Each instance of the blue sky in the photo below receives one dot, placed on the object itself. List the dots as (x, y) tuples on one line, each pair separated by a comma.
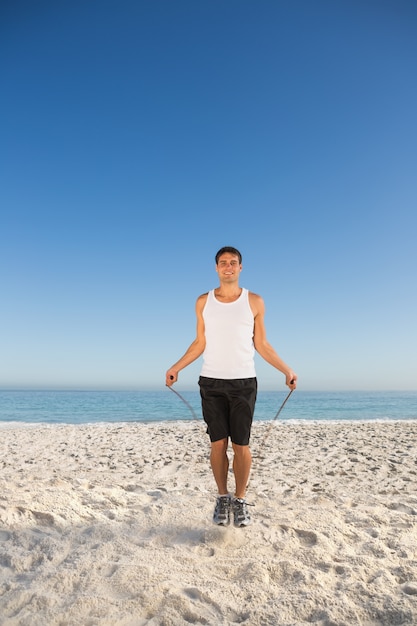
[(138, 137)]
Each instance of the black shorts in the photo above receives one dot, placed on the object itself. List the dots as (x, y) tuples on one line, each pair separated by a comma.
[(228, 407)]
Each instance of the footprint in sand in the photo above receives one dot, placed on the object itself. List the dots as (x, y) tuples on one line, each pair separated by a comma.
[(306, 537), (204, 551), (402, 508), (410, 589), (4, 535)]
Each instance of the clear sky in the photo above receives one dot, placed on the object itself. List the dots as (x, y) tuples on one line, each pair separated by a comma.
[(138, 137)]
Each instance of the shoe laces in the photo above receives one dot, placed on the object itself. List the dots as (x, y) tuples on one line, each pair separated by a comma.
[(240, 505)]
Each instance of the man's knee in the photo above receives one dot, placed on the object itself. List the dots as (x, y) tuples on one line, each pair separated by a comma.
[(220, 445), (240, 450)]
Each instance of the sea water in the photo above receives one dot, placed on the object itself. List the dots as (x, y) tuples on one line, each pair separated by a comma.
[(83, 407)]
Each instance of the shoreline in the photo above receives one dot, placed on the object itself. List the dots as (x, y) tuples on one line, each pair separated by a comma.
[(282, 421), (110, 524)]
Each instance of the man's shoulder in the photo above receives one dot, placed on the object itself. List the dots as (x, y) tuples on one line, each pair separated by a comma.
[(201, 300), (255, 296), (256, 303)]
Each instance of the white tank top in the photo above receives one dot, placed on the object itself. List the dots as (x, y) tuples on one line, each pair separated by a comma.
[(229, 351)]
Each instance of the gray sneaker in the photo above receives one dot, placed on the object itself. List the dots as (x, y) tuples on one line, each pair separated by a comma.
[(240, 512), (221, 515)]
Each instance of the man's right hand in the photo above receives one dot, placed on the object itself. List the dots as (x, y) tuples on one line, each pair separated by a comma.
[(171, 377)]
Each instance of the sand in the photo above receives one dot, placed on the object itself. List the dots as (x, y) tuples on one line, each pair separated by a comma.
[(110, 524)]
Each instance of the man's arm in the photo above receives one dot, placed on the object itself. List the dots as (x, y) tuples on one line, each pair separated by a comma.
[(263, 347), (195, 350)]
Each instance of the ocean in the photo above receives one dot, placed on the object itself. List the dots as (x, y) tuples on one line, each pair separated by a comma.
[(86, 407)]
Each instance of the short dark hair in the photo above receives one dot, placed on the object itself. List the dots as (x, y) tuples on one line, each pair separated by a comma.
[(230, 250)]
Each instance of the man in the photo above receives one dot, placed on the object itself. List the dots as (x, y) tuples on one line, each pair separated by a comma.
[(230, 327)]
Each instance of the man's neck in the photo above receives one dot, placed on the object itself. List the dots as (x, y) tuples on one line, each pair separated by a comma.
[(228, 293)]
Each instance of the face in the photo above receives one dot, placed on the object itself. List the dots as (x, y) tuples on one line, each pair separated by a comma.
[(228, 267)]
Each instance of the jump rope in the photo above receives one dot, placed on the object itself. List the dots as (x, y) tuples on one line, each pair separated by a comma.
[(185, 402)]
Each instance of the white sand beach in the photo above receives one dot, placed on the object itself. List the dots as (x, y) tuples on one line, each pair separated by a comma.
[(110, 524)]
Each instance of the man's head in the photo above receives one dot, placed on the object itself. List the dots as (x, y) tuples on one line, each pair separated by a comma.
[(228, 250), (228, 265)]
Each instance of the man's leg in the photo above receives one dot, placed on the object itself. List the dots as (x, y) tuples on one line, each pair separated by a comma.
[(220, 464), (242, 463)]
